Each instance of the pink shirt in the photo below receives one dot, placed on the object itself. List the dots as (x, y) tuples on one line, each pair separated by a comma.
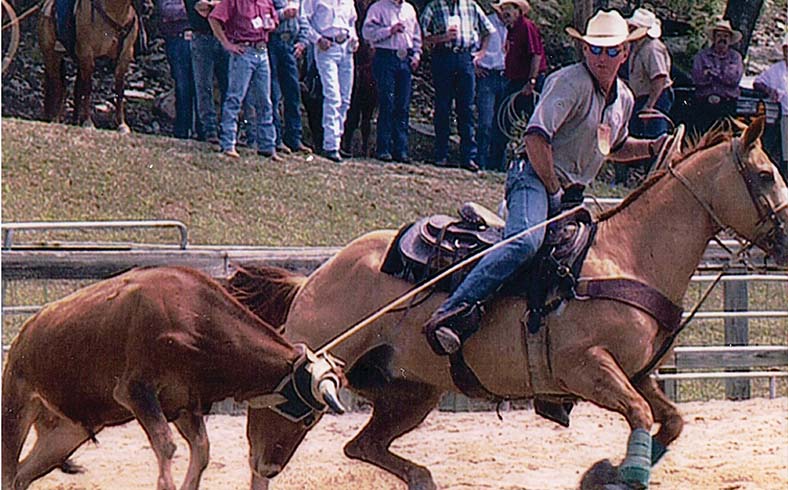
[(246, 20), (385, 13), (523, 43)]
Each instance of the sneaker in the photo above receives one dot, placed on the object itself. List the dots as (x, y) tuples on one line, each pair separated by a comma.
[(402, 159), (470, 166), (334, 156), (300, 147), (272, 155), (281, 148), (384, 157), (230, 152), (448, 340)]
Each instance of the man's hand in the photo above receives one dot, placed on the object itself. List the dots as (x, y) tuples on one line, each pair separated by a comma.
[(477, 57), (298, 49), (233, 48), (414, 64), (480, 72), (452, 34), (354, 45), (324, 43), (397, 28), (528, 89), (290, 12), (204, 7), (554, 203)]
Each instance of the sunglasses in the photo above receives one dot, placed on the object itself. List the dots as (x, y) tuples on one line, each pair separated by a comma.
[(612, 52)]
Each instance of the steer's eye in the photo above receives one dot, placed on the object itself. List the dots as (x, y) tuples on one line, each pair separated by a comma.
[(766, 177)]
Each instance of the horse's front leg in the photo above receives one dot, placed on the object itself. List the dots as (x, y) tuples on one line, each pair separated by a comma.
[(83, 89), (665, 413), (595, 376), (121, 67)]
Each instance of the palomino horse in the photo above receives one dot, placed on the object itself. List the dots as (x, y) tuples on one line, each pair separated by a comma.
[(657, 236), (104, 29)]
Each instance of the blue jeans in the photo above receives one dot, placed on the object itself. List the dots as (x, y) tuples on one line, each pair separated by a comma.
[(248, 72), (454, 80), (209, 62), (393, 77), (179, 55), (64, 17), (646, 128), (526, 200), (284, 82), (335, 66), (489, 97)]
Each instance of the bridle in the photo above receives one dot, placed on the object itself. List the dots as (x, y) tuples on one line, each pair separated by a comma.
[(768, 228)]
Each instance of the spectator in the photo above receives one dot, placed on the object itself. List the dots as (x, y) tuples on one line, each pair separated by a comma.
[(490, 86), (209, 64), (580, 120), (526, 63), (392, 28), (716, 73), (285, 45), (649, 79), (242, 26), (774, 83), (332, 29), (174, 27), (453, 28)]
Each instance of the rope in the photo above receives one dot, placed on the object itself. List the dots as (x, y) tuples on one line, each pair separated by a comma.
[(14, 25)]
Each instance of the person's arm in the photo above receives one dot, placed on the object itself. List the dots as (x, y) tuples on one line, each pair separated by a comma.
[(374, 29), (218, 31), (431, 39), (700, 76), (634, 150), (655, 88), (477, 56), (732, 73), (540, 155), (761, 85), (415, 37), (307, 12)]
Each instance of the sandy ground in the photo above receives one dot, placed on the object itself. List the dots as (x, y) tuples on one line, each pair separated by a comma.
[(725, 446)]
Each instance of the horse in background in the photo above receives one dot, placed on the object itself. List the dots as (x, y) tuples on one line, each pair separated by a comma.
[(103, 29)]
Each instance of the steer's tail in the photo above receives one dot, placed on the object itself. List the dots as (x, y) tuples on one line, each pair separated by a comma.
[(267, 291)]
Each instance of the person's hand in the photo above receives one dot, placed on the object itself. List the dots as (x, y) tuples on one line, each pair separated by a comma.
[(414, 64), (452, 34), (554, 203), (353, 45), (775, 95), (324, 43), (204, 7), (298, 49), (528, 89), (233, 48), (480, 72), (477, 57), (290, 12), (397, 28)]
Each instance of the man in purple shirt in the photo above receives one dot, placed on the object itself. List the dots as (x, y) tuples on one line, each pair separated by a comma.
[(392, 28), (716, 73), (242, 26)]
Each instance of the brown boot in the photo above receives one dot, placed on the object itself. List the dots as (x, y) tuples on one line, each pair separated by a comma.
[(447, 330)]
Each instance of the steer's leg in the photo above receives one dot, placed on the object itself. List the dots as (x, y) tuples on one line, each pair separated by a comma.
[(595, 376), (141, 400), (665, 413), (192, 427), (399, 407), (272, 441)]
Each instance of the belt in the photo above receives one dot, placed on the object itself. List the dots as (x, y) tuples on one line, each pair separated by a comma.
[(401, 53), (284, 36), (338, 39), (253, 44), (495, 71), (453, 49)]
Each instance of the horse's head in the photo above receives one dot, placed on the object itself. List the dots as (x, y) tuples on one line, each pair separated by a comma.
[(752, 197)]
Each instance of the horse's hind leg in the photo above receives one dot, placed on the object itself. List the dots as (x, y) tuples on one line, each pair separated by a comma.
[(19, 412), (192, 427), (83, 89), (57, 438), (399, 407), (665, 413)]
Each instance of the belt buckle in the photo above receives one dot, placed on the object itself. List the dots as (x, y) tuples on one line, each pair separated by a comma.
[(714, 99), (187, 35), (402, 53), (341, 37), (285, 36)]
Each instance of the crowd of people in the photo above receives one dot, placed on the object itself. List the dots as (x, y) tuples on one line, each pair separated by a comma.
[(483, 67)]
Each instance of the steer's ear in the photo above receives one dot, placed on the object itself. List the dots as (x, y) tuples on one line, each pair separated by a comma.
[(753, 133)]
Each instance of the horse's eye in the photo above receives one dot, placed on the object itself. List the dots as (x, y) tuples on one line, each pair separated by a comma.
[(766, 177)]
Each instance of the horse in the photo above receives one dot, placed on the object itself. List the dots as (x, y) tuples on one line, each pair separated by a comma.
[(104, 29), (656, 236)]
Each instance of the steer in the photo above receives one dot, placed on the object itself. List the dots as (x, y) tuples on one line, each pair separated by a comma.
[(155, 344)]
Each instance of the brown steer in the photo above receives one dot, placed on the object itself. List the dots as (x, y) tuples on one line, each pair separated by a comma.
[(155, 344)]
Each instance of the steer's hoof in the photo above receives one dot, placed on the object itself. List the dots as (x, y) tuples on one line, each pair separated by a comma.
[(124, 129)]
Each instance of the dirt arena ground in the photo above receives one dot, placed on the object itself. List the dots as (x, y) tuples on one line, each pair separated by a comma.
[(725, 446)]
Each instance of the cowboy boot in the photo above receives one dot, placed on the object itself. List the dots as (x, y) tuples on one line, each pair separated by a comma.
[(446, 330)]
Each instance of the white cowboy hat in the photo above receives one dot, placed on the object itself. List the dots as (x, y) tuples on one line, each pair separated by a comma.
[(724, 26), (643, 17), (607, 28), (523, 5)]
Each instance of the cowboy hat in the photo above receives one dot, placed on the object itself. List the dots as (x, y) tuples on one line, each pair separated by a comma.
[(607, 28), (724, 26), (643, 17), (523, 5)]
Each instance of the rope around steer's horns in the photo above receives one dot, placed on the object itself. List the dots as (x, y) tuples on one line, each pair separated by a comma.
[(431, 282)]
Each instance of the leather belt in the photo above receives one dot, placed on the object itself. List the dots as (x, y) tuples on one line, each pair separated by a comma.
[(253, 44), (453, 49)]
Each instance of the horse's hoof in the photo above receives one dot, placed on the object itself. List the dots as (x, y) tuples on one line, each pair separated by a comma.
[(124, 129)]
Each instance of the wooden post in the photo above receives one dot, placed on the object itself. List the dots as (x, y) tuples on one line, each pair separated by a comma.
[(737, 332)]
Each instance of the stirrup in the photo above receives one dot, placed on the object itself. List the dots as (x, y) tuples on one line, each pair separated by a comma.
[(449, 341)]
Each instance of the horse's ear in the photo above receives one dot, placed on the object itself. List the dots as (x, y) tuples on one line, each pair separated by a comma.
[(753, 132)]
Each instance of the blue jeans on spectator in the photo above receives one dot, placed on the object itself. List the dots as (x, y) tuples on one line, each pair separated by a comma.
[(393, 77), (335, 66), (248, 73), (284, 82), (64, 16), (526, 201), (209, 62), (490, 87), (454, 80), (646, 128), (179, 56)]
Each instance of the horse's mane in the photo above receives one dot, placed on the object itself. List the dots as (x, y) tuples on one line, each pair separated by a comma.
[(719, 133)]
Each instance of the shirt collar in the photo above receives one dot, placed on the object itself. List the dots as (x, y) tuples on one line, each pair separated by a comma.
[(613, 90)]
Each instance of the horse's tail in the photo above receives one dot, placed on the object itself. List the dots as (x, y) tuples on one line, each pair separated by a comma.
[(267, 291)]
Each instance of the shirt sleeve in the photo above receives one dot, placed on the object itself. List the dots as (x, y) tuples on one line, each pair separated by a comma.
[(554, 107), (698, 77), (352, 21), (303, 28), (657, 63), (733, 71), (307, 11), (373, 29), (221, 12), (416, 37), (426, 19), (482, 22), (535, 45)]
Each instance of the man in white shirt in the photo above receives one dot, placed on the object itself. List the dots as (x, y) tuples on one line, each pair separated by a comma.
[(774, 82), (490, 88), (332, 30)]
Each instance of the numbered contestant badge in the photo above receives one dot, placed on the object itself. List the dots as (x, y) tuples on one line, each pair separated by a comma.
[(603, 139)]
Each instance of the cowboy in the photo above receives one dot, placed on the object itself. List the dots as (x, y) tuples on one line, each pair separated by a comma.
[(774, 82), (454, 29), (392, 28), (649, 80), (579, 122), (716, 73)]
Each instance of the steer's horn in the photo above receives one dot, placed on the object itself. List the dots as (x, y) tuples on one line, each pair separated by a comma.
[(328, 391)]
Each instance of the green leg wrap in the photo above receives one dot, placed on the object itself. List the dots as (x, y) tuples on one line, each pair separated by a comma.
[(657, 451), (636, 468)]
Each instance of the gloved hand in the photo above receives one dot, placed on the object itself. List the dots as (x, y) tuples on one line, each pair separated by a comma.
[(554, 203)]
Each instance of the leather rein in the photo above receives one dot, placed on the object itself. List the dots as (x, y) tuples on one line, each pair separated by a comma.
[(121, 30)]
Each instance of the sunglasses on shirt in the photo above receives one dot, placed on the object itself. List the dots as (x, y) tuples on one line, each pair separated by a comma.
[(612, 52)]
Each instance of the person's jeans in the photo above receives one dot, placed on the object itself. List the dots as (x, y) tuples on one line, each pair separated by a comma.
[(526, 200), (209, 62), (284, 84), (179, 56), (489, 97), (454, 80), (335, 66), (393, 77), (248, 72), (646, 128)]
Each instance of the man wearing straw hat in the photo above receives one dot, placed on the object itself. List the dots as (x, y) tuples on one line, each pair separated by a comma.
[(716, 73), (580, 120), (774, 82)]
